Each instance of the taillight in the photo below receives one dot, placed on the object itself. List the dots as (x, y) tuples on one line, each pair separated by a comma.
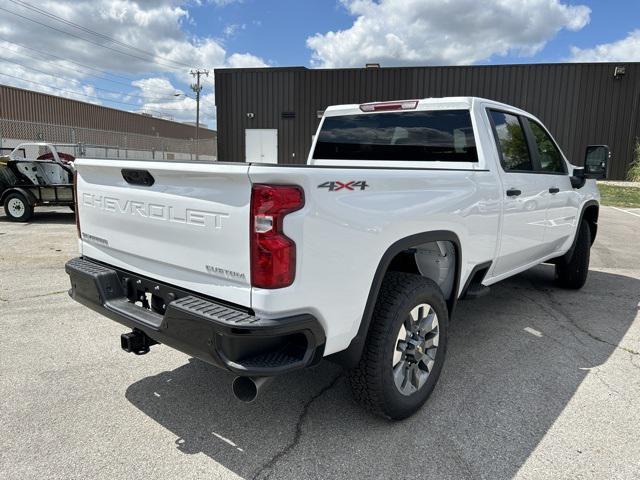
[(386, 106), (273, 254), (75, 202)]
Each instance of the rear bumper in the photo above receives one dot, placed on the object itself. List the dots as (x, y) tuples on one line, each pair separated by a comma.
[(224, 335)]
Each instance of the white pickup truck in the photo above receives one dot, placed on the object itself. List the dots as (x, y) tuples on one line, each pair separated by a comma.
[(360, 256)]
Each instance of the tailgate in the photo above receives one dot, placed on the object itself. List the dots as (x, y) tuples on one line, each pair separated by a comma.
[(190, 228)]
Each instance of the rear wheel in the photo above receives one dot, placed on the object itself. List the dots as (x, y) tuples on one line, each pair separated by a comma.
[(573, 272), (405, 347), (17, 207)]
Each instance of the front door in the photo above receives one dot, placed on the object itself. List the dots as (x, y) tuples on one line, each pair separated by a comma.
[(562, 209), (525, 198), (261, 145)]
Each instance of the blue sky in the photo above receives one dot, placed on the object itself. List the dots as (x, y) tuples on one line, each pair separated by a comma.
[(274, 30), (610, 21), (136, 54), (277, 30)]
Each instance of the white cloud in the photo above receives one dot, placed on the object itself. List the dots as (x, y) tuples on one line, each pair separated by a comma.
[(33, 74), (412, 32), (224, 3), (625, 50), (233, 28), (161, 50), (161, 93), (245, 60)]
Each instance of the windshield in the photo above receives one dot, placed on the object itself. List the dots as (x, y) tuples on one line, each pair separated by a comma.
[(441, 135)]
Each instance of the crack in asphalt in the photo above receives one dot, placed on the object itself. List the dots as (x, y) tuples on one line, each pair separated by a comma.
[(562, 320), (572, 348), (557, 307), (462, 463), (265, 471), (634, 363), (596, 371), (49, 294)]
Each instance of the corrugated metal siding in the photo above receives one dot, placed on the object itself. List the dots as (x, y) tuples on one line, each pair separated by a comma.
[(26, 105), (581, 104)]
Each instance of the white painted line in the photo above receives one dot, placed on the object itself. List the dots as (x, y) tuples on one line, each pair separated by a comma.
[(625, 211), (533, 331)]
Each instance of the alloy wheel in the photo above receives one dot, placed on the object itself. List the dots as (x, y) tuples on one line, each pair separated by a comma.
[(415, 349)]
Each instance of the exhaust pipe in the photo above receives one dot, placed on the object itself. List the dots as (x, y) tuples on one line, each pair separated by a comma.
[(246, 389)]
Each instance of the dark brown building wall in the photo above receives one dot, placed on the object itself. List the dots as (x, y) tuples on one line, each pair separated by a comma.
[(29, 106), (581, 104)]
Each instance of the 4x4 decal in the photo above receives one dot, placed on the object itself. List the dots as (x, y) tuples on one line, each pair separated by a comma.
[(352, 185)]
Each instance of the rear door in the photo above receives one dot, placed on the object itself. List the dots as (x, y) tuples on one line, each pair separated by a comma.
[(189, 228), (525, 195)]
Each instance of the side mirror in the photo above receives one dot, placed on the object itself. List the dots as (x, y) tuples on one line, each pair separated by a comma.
[(596, 161), (577, 178)]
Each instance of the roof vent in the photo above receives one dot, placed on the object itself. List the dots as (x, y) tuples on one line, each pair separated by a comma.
[(372, 65)]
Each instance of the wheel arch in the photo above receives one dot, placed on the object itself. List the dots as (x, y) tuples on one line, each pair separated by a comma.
[(26, 193), (351, 355), (589, 213)]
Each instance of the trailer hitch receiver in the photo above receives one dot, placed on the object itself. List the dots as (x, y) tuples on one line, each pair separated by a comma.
[(136, 342)]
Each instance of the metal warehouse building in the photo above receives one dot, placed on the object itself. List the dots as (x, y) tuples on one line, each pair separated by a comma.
[(26, 115), (271, 114)]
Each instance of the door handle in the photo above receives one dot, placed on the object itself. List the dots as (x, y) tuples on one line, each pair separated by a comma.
[(137, 177), (513, 192), (554, 190)]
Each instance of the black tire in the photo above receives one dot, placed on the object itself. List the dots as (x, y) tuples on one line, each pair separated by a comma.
[(573, 272), (17, 207), (372, 380)]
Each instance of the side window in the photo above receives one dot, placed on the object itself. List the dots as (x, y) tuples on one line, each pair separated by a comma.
[(549, 155), (510, 136)]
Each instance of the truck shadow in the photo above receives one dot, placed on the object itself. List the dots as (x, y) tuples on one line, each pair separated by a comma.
[(516, 358), (46, 217)]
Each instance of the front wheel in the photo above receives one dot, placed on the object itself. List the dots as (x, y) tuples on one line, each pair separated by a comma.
[(573, 272), (405, 348), (17, 207)]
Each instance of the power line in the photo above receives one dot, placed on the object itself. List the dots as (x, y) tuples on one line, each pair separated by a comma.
[(92, 32), (87, 40), (66, 60), (151, 99), (85, 95), (40, 59), (43, 54)]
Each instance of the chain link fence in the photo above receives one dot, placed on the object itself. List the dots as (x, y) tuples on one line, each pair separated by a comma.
[(92, 143)]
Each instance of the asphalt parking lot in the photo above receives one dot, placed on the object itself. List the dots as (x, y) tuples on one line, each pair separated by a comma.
[(538, 383)]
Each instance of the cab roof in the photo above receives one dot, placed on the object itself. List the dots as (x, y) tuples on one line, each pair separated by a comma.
[(432, 103)]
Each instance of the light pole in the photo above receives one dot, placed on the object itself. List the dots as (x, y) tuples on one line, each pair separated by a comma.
[(197, 88)]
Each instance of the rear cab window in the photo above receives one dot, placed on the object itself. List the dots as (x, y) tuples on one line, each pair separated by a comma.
[(423, 136)]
